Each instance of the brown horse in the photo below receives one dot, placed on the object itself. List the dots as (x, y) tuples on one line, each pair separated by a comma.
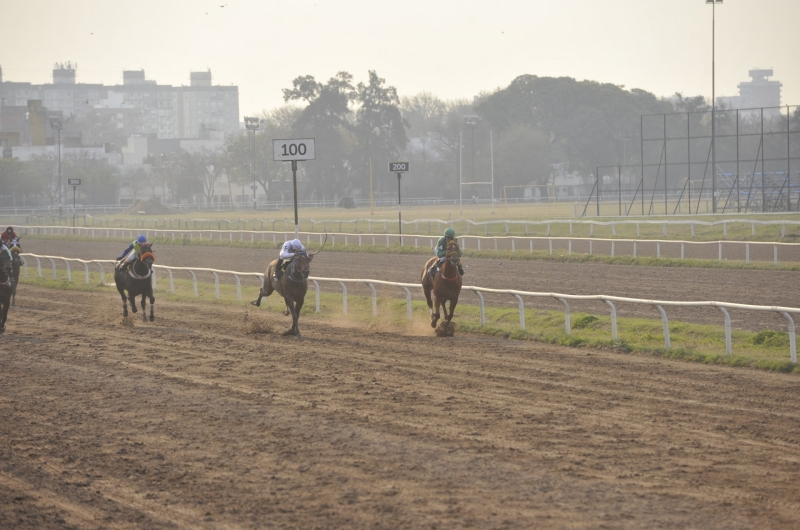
[(445, 285), (292, 285)]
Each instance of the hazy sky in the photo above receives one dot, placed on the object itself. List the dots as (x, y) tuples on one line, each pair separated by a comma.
[(453, 49)]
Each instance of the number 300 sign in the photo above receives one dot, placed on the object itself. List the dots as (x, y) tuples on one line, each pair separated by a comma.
[(298, 149)]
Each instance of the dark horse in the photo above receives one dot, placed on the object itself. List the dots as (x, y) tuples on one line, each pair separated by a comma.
[(136, 281), (446, 285), (6, 287), (292, 285), (16, 263)]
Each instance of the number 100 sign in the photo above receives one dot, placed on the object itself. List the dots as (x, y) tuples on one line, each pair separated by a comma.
[(298, 149)]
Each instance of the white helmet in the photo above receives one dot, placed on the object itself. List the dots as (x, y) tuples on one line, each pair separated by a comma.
[(296, 243)]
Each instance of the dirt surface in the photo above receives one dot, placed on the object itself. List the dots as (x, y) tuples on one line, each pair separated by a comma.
[(191, 422), (758, 287)]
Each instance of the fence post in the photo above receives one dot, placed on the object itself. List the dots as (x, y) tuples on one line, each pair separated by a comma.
[(194, 282), (720, 252), (567, 323), (521, 312), (569, 243), (102, 274), (792, 340), (665, 323), (153, 279), (344, 298), (747, 253), (658, 249), (613, 320), (728, 346), (408, 302), (374, 300), (86, 270), (551, 245), (69, 271), (775, 254), (171, 281), (683, 245), (238, 287), (54, 268), (39, 267), (612, 249), (634, 248), (483, 310)]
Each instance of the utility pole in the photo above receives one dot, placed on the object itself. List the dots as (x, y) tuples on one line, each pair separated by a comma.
[(252, 124), (714, 107), (57, 124)]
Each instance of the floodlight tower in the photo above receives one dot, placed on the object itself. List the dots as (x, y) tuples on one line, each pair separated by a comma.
[(252, 124), (714, 107)]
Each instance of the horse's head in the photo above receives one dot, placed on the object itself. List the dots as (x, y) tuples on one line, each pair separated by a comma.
[(15, 251), (302, 262), (452, 254), (146, 255)]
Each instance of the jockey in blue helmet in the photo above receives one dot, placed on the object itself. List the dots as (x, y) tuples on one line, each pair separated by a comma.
[(130, 253)]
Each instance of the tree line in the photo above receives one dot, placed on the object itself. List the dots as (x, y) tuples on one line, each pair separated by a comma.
[(519, 132)]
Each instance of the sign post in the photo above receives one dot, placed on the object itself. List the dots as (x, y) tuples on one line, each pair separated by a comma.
[(293, 151), (74, 183), (399, 168)]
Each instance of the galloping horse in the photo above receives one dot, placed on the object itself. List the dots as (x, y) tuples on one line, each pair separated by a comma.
[(136, 281), (16, 263), (292, 285), (446, 285), (6, 286)]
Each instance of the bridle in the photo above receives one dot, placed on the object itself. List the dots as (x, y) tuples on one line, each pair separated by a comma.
[(132, 269), (452, 257), (293, 269)]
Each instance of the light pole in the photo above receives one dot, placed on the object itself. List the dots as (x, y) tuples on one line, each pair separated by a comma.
[(471, 121), (57, 124), (252, 124), (713, 107)]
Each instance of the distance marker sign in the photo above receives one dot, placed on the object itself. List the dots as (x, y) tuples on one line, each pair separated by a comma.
[(73, 182), (297, 149), (398, 167)]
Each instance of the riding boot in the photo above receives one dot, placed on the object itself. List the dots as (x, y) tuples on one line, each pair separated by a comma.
[(432, 271), (460, 270), (279, 269)]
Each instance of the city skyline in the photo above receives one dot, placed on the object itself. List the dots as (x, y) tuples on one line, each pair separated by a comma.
[(453, 50)]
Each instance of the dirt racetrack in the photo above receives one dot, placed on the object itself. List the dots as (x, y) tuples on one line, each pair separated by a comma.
[(190, 422), (744, 286)]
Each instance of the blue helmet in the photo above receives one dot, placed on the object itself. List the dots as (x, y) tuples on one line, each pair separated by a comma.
[(141, 239)]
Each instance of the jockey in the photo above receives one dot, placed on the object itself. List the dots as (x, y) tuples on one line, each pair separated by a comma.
[(6, 253), (441, 251), (130, 253), (288, 251), (8, 236)]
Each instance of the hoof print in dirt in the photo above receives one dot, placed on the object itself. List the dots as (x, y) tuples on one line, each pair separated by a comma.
[(127, 321), (446, 329), (254, 326)]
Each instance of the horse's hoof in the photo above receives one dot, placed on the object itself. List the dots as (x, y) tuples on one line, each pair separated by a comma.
[(286, 312), (433, 324), (289, 333), (255, 303), (152, 318)]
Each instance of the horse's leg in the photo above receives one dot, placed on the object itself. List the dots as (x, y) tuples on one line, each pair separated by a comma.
[(435, 316), (453, 304), (144, 306), (298, 305), (124, 301), (290, 306), (152, 306)]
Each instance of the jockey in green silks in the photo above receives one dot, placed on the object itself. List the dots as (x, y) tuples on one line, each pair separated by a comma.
[(441, 251)]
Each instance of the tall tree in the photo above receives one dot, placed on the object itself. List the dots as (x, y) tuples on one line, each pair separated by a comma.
[(380, 128), (327, 118)]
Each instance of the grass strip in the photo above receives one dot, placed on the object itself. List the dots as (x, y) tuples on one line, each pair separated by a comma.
[(765, 350)]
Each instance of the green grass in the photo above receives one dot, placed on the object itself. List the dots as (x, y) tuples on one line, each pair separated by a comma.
[(766, 350)]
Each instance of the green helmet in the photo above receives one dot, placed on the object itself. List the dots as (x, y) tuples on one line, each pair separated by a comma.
[(449, 233)]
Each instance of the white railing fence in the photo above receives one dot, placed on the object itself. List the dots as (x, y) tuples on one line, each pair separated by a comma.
[(726, 250), (564, 299)]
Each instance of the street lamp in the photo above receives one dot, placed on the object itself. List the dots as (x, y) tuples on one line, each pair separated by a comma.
[(252, 124), (57, 124), (472, 121), (713, 107)]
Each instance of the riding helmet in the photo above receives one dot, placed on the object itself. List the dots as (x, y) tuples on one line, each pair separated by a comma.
[(9, 229), (296, 243), (450, 233), (141, 239)]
